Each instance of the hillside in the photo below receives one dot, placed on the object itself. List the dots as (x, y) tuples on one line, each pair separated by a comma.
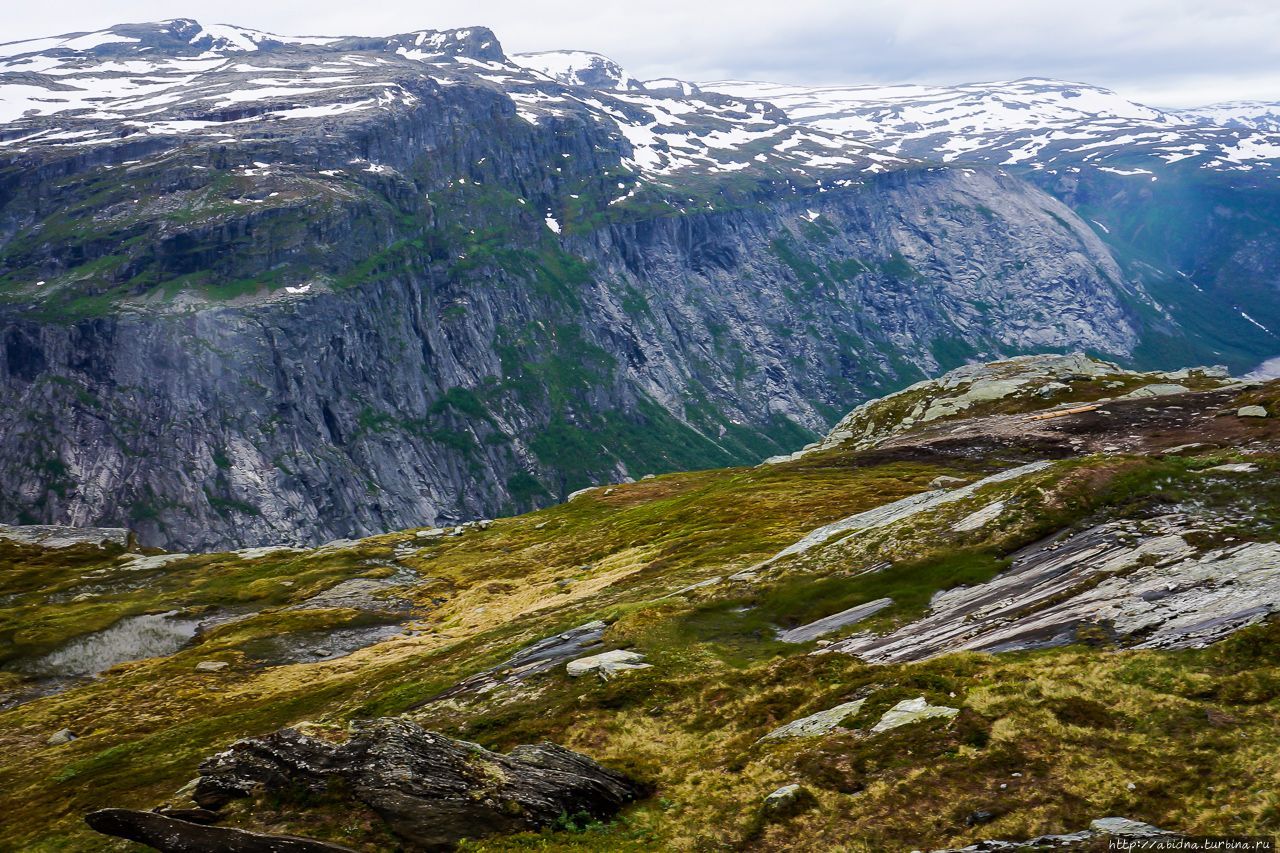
[(1034, 597)]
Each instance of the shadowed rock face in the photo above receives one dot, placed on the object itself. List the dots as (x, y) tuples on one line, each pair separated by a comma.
[(431, 790)]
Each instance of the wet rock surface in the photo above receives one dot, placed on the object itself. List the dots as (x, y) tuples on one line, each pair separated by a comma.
[(431, 790)]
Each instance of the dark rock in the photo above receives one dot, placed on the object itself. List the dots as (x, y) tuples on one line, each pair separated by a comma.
[(171, 835), (979, 817), (432, 790)]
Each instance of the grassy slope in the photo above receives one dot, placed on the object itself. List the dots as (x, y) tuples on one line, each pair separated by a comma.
[(1194, 732)]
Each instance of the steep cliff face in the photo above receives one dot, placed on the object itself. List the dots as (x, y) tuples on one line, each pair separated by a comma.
[(297, 323), (1188, 201)]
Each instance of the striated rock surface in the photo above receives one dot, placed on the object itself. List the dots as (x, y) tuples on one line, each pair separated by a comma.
[(1141, 584)]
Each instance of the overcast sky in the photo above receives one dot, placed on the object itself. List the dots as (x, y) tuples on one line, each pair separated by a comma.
[(1162, 52)]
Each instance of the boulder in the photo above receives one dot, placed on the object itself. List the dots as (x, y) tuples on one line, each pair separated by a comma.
[(211, 666), (787, 801), (1158, 389), (911, 711), (60, 737), (607, 664), (431, 790), (1251, 412)]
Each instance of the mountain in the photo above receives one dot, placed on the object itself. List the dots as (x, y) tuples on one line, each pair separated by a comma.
[(580, 68), (1254, 115), (1188, 201), (258, 289), (1030, 597)]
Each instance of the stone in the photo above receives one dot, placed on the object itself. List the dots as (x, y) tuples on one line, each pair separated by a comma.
[(788, 801), (1158, 389), (911, 711), (979, 817), (1234, 468), (1050, 389), (607, 664), (212, 666), (1123, 826), (816, 725), (60, 737), (172, 834), (432, 791), (536, 658), (1251, 412), (359, 594), (834, 622), (979, 518), (944, 481)]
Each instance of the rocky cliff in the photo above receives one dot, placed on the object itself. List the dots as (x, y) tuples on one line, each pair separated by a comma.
[(404, 281)]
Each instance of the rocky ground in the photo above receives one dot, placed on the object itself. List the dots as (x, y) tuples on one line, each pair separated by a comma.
[(1029, 599)]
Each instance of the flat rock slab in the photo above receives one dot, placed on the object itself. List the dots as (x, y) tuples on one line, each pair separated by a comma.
[(607, 664), (834, 622), (911, 711), (816, 725), (1102, 828), (1144, 581)]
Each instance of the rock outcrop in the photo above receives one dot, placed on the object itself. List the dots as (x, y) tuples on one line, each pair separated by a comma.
[(430, 789), (1140, 584)]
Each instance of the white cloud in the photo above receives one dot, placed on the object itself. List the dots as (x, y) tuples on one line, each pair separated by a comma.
[(1169, 52)]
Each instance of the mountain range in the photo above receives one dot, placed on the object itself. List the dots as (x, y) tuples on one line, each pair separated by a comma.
[(257, 288)]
